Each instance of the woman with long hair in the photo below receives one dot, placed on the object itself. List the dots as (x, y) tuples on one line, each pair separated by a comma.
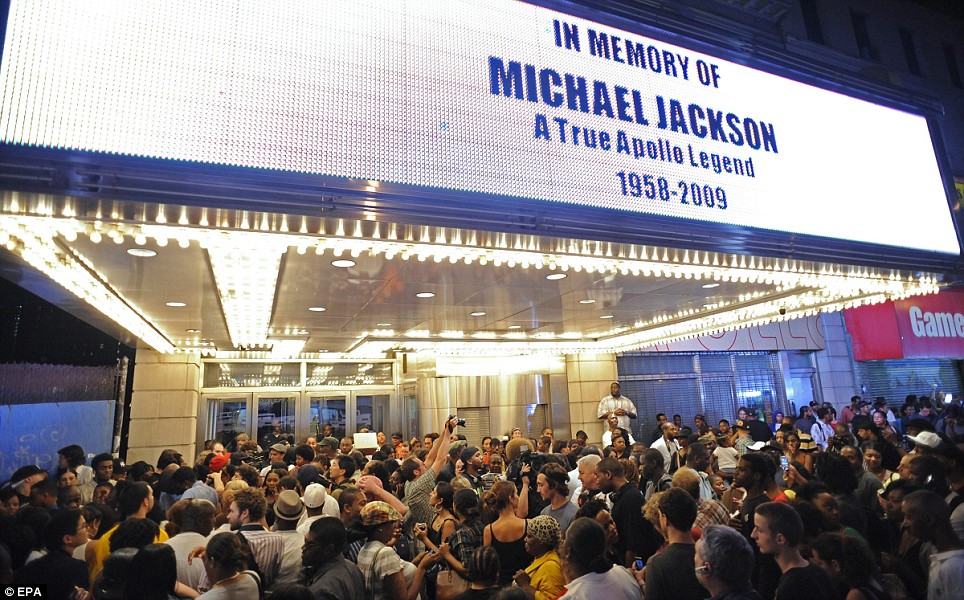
[(225, 561), (507, 534), (153, 573), (794, 453), (467, 538), (586, 568)]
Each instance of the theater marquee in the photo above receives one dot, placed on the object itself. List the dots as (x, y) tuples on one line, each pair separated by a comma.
[(487, 96)]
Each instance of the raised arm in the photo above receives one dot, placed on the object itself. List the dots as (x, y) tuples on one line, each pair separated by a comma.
[(442, 445)]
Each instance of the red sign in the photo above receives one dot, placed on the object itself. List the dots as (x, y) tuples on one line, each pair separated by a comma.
[(919, 327)]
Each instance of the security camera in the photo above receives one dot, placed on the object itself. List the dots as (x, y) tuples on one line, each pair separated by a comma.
[(783, 311)]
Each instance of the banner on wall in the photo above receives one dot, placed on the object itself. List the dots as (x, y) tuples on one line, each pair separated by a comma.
[(494, 96), (920, 327)]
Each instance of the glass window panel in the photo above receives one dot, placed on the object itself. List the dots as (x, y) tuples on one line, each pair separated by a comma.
[(328, 415), (228, 419), (276, 421), (244, 374)]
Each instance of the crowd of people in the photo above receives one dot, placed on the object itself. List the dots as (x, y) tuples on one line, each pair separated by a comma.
[(864, 506)]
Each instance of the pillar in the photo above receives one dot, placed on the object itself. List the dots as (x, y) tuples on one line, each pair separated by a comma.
[(589, 377), (164, 405)]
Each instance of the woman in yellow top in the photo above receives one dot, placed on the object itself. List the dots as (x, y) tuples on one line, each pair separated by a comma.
[(543, 578)]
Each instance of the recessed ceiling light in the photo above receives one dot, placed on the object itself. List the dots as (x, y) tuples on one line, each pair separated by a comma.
[(317, 308), (556, 276), (176, 304), (141, 252), (343, 263), (514, 327), (587, 301), (478, 313), (606, 317), (383, 324), (709, 286), (193, 330), (425, 295)]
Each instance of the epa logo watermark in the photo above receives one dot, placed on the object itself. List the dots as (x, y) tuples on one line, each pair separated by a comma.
[(25, 591)]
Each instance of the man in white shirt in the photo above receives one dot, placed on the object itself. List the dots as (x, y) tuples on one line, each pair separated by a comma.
[(195, 525), (822, 431), (617, 404), (668, 447), (288, 508)]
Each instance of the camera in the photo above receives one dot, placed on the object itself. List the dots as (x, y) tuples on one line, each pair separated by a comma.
[(459, 422), (783, 311)]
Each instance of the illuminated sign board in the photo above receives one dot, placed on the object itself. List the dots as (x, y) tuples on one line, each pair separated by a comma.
[(488, 96)]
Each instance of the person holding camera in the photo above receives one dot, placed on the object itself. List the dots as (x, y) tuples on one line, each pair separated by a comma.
[(419, 478)]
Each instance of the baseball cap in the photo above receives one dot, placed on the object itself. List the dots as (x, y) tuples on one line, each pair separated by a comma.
[(307, 474), (378, 512), (756, 446), (279, 448), (740, 424), (315, 495), (329, 441), (467, 453), (928, 439), (288, 506), (23, 472), (217, 462)]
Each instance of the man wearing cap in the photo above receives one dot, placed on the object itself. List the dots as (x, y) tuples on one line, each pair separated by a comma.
[(329, 575), (759, 431), (318, 503), (288, 510), (276, 453), (741, 437), (617, 404), (24, 478), (472, 467), (328, 447)]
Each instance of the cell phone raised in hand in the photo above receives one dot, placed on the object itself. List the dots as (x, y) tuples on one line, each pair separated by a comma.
[(639, 563), (784, 463)]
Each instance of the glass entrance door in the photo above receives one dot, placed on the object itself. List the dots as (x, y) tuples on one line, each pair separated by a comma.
[(273, 417), (328, 415), (344, 413), (276, 418), (227, 418)]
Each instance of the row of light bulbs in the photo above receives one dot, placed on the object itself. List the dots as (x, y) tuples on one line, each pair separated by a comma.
[(254, 255)]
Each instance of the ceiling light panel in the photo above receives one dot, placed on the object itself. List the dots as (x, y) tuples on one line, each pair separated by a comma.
[(246, 278)]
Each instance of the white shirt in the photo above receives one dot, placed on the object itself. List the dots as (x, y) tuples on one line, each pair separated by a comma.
[(610, 404), (668, 450), (820, 433), (617, 583), (945, 581), (607, 439), (290, 570), (183, 543)]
